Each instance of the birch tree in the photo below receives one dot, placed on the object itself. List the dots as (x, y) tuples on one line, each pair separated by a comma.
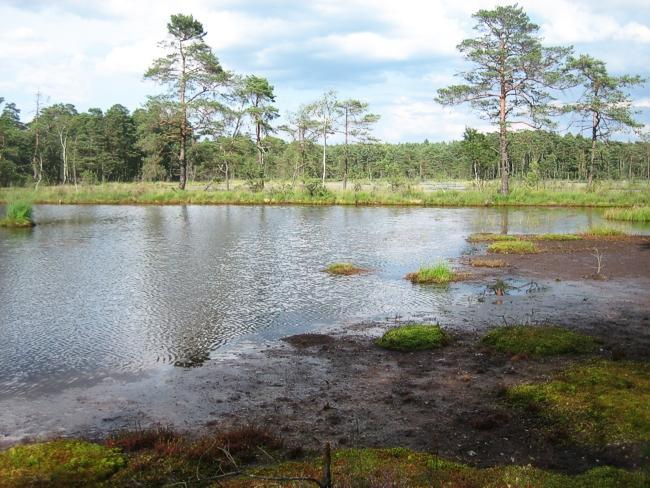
[(325, 114), (357, 127)]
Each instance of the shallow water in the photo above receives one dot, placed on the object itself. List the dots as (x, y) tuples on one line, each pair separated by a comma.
[(97, 291)]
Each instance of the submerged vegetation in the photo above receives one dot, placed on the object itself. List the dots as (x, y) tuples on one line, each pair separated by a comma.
[(439, 273), (18, 214), (414, 337), (634, 214), (513, 247), (544, 340), (596, 403), (344, 269)]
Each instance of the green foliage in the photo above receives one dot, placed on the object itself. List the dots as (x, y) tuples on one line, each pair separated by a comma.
[(343, 269), (513, 247), (597, 403), (634, 214), (439, 273), (416, 337), (58, 463), (538, 340)]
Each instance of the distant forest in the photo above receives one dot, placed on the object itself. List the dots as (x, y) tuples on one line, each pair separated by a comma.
[(120, 146)]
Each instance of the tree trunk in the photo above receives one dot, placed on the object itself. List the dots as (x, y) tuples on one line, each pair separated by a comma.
[(324, 154), (182, 157), (594, 137), (345, 168), (503, 146)]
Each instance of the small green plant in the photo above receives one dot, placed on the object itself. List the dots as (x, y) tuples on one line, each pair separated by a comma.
[(415, 337), (596, 403), (343, 269), (514, 247), (634, 214), (489, 237), (547, 340), (439, 273), (603, 231), (18, 214)]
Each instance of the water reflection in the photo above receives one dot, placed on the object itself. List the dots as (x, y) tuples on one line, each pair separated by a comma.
[(97, 290)]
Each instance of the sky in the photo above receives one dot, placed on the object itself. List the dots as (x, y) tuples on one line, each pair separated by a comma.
[(393, 54)]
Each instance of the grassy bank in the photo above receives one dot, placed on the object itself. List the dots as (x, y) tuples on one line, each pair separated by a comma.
[(277, 193)]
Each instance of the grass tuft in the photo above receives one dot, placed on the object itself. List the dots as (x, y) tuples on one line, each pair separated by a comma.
[(415, 337), (603, 231), (515, 247), (344, 269), (545, 340), (634, 214), (490, 237), (439, 273), (595, 403), (18, 214), (554, 237)]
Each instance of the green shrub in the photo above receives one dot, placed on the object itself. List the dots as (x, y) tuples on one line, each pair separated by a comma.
[(545, 340), (414, 337)]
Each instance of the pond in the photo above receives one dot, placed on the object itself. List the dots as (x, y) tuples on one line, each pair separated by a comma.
[(95, 291)]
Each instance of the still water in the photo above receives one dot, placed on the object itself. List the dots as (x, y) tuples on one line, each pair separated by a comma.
[(94, 291)]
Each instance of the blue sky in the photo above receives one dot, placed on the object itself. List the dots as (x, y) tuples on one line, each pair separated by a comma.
[(392, 54)]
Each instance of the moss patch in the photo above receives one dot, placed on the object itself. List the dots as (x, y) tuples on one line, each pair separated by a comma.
[(545, 340), (57, 463), (513, 247), (415, 337), (598, 402), (343, 269), (366, 468)]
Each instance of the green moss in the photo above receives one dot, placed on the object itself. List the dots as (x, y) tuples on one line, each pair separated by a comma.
[(367, 468), (603, 231), (439, 273), (58, 463), (413, 337), (596, 403), (634, 214), (515, 247), (538, 340), (343, 269)]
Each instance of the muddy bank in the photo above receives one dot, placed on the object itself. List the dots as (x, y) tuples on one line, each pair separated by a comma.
[(335, 385)]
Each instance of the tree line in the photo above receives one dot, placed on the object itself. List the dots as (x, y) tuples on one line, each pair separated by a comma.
[(213, 125)]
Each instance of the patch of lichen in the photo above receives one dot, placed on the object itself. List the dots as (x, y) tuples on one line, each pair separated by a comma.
[(595, 403), (59, 463)]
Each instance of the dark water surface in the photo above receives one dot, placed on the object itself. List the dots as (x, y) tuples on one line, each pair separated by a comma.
[(94, 291)]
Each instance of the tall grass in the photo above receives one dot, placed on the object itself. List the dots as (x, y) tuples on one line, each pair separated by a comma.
[(18, 214), (513, 247), (603, 231), (167, 194), (634, 214), (439, 273)]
